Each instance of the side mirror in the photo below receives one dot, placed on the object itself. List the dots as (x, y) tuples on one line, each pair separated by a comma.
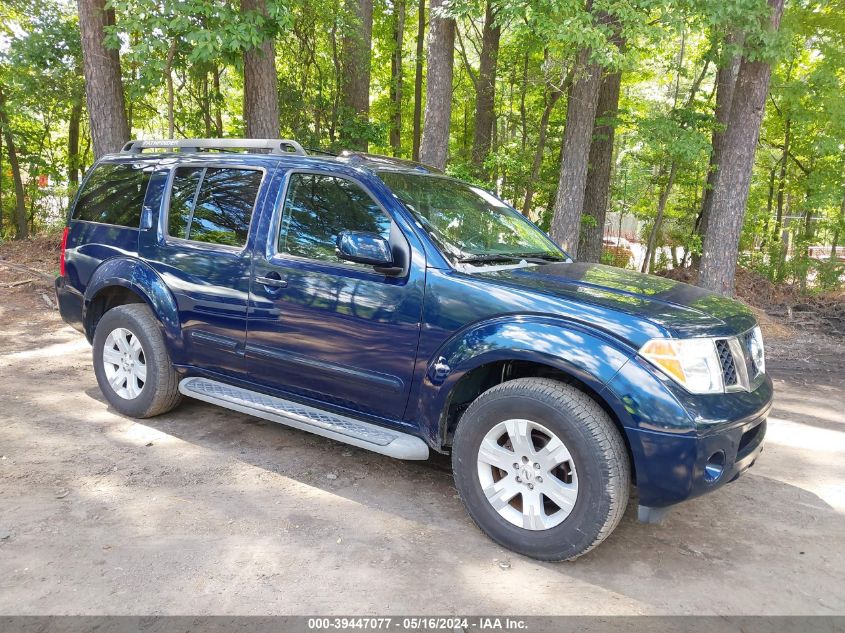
[(364, 248)]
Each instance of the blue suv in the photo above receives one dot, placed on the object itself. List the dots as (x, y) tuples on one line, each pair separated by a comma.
[(382, 304)]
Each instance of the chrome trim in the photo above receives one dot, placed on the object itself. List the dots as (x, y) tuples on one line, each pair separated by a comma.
[(275, 145), (743, 363), (378, 439), (741, 366)]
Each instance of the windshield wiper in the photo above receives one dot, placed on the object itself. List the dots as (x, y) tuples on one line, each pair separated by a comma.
[(478, 259), (533, 258), (544, 257)]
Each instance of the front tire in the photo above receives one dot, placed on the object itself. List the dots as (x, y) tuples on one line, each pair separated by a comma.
[(131, 363), (541, 468)]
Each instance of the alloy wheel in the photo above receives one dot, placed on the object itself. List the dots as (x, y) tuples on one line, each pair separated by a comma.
[(527, 474), (124, 363)]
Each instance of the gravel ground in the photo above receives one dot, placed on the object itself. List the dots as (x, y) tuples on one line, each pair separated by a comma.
[(206, 511)]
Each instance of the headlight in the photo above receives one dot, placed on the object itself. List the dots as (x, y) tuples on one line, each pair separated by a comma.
[(756, 349), (692, 363)]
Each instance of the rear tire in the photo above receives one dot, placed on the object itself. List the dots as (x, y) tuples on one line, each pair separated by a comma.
[(541, 468), (131, 363)]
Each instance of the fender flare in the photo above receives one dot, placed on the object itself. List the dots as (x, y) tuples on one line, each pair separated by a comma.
[(134, 275), (589, 355)]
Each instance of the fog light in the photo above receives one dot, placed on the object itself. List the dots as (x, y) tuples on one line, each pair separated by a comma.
[(714, 467)]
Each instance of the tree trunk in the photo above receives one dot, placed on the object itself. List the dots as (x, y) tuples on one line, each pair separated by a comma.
[(396, 77), (550, 205), (168, 77), (261, 91), (779, 235), (523, 93), (336, 64), (434, 145), (355, 78), (485, 98), (834, 243), (73, 142), (21, 229), (770, 203), (103, 85), (206, 105), (784, 164), (651, 248), (783, 241), (725, 83), (807, 232), (551, 100), (580, 116), (721, 241), (418, 81), (218, 102), (597, 189)]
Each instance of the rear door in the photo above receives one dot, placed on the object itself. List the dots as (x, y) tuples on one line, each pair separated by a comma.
[(328, 329), (201, 249)]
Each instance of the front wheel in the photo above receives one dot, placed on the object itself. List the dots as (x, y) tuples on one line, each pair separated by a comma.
[(131, 362), (541, 468)]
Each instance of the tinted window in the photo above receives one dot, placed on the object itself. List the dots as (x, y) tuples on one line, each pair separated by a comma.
[(318, 207), (466, 221), (114, 194), (182, 194), (220, 211)]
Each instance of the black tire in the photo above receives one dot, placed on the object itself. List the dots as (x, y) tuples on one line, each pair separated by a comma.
[(594, 443), (160, 391)]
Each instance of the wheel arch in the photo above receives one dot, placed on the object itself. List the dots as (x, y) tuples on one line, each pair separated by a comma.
[(486, 376), (121, 281), (104, 300), (489, 353)]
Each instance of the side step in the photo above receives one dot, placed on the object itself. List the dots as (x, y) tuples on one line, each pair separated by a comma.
[(337, 427)]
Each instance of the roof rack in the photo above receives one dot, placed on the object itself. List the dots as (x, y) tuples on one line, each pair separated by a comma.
[(276, 146)]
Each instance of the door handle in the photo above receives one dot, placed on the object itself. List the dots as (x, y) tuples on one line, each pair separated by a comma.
[(272, 282)]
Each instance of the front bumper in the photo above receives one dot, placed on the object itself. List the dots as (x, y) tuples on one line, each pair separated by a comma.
[(684, 445), (675, 468)]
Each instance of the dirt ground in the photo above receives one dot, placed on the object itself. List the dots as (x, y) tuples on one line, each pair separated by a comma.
[(207, 511)]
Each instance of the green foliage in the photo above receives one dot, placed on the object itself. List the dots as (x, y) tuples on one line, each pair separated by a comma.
[(41, 80), (668, 53)]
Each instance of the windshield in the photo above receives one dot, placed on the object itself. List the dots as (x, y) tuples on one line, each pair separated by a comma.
[(468, 223)]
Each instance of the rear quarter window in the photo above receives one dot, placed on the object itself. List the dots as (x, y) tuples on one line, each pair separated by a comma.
[(114, 194)]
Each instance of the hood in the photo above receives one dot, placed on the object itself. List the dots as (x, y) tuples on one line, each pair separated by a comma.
[(680, 308)]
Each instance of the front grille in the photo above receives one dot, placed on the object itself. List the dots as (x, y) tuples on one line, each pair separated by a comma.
[(726, 359)]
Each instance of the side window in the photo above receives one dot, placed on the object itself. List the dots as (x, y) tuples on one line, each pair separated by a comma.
[(212, 204), (318, 207), (114, 194), (182, 195)]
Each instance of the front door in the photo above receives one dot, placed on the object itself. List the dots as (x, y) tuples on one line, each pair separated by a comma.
[(330, 330)]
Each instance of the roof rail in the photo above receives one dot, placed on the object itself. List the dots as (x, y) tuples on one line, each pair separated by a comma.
[(275, 145), (387, 161)]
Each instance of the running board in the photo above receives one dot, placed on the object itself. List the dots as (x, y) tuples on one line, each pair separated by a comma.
[(337, 427)]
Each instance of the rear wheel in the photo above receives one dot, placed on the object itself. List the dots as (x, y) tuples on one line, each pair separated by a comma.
[(541, 468), (131, 362)]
